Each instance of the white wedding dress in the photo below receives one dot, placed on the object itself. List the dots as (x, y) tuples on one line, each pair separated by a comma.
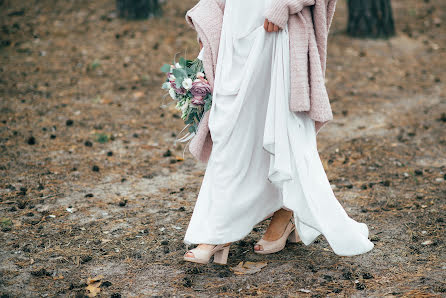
[(264, 156)]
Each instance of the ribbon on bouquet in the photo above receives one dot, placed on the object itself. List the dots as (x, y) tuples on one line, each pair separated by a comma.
[(186, 137)]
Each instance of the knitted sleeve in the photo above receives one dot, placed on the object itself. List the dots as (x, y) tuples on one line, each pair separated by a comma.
[(280, 10), (221, 4)]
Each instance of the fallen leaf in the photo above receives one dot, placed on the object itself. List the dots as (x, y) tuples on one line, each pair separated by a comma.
[(58, 277), (248, 267), (138, 94), (95, 279), (93, 289), (94, 284), (105, 101)]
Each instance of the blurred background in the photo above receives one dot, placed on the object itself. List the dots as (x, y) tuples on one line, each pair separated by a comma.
[(92, 183)]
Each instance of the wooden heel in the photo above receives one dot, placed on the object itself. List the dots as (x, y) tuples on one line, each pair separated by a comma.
[(221, 256), (293, 237)]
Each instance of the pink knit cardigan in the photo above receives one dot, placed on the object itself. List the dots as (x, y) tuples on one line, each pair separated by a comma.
[(308, 25)]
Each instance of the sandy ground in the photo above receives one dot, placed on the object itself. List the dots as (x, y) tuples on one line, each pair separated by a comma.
[(93, 184)]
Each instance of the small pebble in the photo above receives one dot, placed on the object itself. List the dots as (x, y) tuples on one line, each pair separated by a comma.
[(418, 172), (95, 168), (88, 144), (347, 275), (367, 275), (360, 286), (106, 284), (69, 122), (427, 242), (31, 141)]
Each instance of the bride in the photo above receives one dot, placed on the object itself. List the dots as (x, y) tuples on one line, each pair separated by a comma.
[(259, 137)]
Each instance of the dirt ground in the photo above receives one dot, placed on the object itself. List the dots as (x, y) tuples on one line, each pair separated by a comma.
[(92, 183)]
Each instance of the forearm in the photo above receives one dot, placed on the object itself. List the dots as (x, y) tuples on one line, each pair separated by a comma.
[(280, 10)]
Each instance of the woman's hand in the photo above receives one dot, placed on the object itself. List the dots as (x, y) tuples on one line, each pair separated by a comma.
[(270, 27)]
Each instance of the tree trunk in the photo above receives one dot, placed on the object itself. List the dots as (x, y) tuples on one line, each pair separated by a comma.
[(138, 9), (370, 18)]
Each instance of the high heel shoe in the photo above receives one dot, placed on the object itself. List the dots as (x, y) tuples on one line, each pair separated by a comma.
[(220, 253), (269, 247)]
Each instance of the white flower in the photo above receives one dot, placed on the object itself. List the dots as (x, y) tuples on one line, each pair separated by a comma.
[(185, 106), (197, 80), (167, 85), (184, 109), (172, 77), (187, 83), (200, 75), (172, 93), (177, 65)]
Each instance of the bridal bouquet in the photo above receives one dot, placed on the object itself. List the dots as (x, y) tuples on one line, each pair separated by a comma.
[(187, 85)]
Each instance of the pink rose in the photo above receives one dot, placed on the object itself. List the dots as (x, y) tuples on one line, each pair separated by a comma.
[(197, 100), (200, 88)]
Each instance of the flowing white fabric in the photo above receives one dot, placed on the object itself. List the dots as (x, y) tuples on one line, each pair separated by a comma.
[(264, 156)]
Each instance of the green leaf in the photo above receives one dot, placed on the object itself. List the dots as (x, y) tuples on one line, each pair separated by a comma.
[(207, 105), (178, 83), (192, 128), (5, 222), (182, 62), (165, 68), (177, 73), (101, 138)]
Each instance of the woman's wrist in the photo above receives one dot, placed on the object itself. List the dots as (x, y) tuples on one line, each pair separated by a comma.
[(280, 10)]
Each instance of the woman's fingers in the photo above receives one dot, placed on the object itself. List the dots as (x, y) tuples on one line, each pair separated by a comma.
[(270, 27), (265, 24)]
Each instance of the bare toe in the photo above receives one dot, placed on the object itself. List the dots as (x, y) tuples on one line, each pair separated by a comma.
[(257, 247), (189, 254)]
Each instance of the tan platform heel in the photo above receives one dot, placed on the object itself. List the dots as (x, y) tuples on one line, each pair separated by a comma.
[(220, 253), (269, 247)]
